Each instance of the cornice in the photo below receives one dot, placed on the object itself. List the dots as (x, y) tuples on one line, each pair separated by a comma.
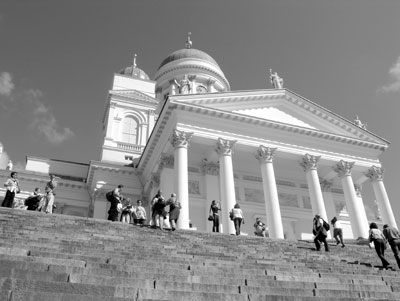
[(108, 168), (278, 125), (246, 96)]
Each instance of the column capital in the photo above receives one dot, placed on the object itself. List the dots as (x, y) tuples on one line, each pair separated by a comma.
[(309, 162), (210, 167), (180, 138), (166, 161), (225, 147), (343, 168), (326, 185), (375, 173), (265, 153)]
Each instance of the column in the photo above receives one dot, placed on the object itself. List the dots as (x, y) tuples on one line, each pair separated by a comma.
[(328, 198), (355, 207), (375, 174), (224, 149), (272, 208), (309, 164), (143, 134), (180, 142)]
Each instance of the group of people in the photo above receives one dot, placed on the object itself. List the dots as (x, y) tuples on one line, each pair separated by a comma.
[(237, 217), (161, 209), (379, 240), (320, 231), (124, 209), (36, 201)]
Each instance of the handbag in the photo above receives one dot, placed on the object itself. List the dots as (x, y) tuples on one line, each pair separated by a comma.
[(210, 217)]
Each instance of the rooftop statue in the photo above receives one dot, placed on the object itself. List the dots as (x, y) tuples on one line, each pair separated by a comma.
[(183, 85), (276, 81), (358, 123)]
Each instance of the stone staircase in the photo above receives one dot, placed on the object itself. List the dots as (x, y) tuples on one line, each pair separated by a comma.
[(57, 257)]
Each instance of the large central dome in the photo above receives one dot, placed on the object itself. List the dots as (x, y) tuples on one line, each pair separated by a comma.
[(188, 53), (189, 71)]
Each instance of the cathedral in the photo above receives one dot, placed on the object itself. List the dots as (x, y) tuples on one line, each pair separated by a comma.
[(282, 157)]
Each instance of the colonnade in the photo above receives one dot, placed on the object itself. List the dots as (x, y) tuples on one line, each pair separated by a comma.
[(224, 148)]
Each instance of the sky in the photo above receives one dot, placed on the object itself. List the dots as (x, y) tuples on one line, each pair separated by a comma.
[(57, 60)]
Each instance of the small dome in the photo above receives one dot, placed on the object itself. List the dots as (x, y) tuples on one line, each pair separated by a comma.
[(134, 72), (188, 53)]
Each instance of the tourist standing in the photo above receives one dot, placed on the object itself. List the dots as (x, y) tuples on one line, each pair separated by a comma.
[(237, 216), (139, 214), (12, 187), (158, 207), (49, 195), (379, 240), (393, 237), (214, 208), (115, 198), (126, 211), (337, 231), (320, 233), (174, 210)]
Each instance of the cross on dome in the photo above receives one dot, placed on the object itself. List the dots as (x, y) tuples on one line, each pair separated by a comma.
[(134, 60), (188, 43)]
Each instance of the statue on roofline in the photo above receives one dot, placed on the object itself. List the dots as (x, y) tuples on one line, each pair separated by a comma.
[(183, 85), (358, 123), (276, 81)]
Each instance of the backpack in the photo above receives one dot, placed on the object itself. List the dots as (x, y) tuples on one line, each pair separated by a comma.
[(326, 226), (109, 195)]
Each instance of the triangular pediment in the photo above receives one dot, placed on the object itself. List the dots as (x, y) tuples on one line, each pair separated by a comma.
[(284, 107), (274, 114)]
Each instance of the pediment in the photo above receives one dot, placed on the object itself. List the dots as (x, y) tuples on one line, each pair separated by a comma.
[(284, 107)]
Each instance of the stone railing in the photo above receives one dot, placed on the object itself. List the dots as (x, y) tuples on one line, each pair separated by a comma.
[(130, 147)]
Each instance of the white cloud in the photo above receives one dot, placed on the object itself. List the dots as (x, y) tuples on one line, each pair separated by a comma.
[(6, 83), (46, 124), (394, 73)]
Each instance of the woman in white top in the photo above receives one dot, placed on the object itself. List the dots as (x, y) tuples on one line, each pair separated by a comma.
[(337, 231), (12, 186), (237, 217)]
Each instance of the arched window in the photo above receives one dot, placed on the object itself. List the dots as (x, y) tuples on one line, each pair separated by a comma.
[(129, 130)]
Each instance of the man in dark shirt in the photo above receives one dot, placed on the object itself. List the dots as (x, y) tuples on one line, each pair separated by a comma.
[(393, 237), (115, 199)]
